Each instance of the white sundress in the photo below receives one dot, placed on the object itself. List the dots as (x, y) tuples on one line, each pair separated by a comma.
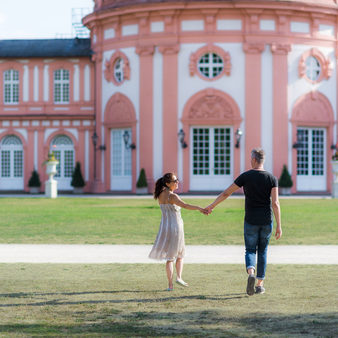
[(169, 243)]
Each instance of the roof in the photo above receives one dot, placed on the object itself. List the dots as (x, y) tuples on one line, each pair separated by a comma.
[(45, 48), (106, 4)]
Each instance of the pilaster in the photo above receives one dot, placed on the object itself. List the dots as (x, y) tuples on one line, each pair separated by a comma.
[(253, 87), (170, 106), (146, 123), (280, 106), (98, 182)]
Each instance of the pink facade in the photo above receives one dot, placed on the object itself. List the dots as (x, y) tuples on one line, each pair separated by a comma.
[(208, 68)]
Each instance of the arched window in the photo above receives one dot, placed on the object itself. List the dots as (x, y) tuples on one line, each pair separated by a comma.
[(61, 86), (63, 149), (11, 163), (11, 86)]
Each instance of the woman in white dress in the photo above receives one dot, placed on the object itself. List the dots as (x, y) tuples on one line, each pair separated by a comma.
[(169, 243)]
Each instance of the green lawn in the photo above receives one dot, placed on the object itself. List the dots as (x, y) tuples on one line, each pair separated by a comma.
[(136, 221), (129, 300)]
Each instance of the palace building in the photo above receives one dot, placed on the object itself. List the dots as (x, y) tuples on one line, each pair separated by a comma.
[(183, 86)]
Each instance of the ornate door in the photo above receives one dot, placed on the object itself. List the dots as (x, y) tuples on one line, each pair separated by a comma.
[(11, 160), (121, 178), (211, 158), (311, 159), (63, 149)]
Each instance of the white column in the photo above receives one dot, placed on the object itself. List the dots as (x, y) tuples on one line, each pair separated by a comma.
[(76, 87), (36, 84), (86, 83), (45, 83), (25, 83)]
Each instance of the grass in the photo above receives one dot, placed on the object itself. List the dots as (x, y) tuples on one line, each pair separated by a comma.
[(129, 300), (136, 221)]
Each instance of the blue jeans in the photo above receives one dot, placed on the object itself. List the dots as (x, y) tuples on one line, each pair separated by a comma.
[(257, 238)]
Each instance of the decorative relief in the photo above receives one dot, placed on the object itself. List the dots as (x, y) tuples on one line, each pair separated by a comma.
[(119, 110), (325, 65), (169, 49), (211, 107), (145, 50), (210, 48), (97, 57), (280, 49), (110, 71), (313, 107), (253, 47)]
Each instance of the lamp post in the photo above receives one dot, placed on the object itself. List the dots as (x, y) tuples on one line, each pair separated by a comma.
[(181, 136), (238, 135), (126, 137), (94, 139)]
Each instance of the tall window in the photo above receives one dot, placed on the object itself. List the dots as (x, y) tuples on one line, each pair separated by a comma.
[(61, 86), (11, 86)]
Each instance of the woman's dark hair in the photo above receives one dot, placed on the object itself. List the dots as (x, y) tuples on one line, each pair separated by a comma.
[(161, 183)]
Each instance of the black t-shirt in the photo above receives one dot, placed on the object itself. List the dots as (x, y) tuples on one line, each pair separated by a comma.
[(257, 185)]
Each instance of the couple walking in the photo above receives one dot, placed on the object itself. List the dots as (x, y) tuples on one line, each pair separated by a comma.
[(261, 200)]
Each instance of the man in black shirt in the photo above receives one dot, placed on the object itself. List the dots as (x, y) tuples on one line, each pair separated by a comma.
[(261, 198)]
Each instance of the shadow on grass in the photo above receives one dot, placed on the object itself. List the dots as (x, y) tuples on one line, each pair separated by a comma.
[(193, 324), (111, 301)]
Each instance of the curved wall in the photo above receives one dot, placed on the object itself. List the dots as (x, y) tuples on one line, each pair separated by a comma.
[(265, 42)]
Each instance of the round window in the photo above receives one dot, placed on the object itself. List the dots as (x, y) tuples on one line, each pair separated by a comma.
[(210, 65), (313, 68), (118, 70)]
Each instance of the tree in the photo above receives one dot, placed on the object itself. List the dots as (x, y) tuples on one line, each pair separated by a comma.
[(142, 180), (77, 178), (285, 180), (34, 180)]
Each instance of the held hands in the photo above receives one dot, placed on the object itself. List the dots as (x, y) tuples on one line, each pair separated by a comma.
[(208, 210), (203, 211)]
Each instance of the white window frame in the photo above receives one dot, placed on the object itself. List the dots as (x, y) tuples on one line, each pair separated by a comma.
[(118, 70), (64, 86), (313, 68), (14, 86), (211, 65)]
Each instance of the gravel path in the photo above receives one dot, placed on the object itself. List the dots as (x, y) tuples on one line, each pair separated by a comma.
[(227, 254)]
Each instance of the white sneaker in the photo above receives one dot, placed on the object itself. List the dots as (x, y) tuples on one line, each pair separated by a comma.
[(181, 282)]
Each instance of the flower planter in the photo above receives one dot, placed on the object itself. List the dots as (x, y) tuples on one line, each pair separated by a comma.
[(34, 190), (78, 191), (285, 191), (142, 191)]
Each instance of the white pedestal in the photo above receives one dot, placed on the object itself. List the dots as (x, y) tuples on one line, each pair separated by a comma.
[(51, 186), (51, 189)]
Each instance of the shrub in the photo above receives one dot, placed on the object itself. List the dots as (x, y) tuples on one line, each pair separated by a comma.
[(142, 180), (77, 178), (285, 180), (34, 180)]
